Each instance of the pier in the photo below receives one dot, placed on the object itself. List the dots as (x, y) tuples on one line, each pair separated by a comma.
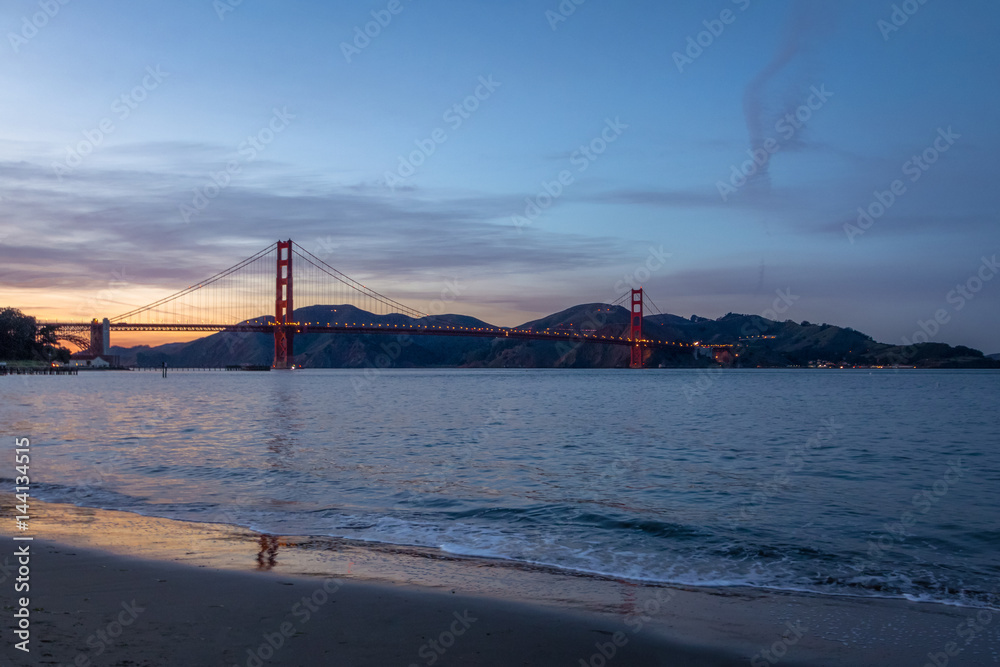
[(159, 369), (41, 370)]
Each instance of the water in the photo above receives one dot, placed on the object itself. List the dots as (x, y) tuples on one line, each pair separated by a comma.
[(837, 482)]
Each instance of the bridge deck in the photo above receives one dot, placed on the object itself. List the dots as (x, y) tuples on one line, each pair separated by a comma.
[(299, 328)]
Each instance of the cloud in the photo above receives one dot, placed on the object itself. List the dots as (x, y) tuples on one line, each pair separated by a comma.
[(762, 105), (75, 232), (692, 198), (909, 225), (786, 203)]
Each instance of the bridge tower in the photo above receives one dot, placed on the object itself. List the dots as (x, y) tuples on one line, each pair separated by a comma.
[(635, 328), (283, 308), (100, 337)]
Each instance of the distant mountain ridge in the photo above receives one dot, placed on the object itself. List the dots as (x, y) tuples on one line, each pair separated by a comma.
[(761, 343)]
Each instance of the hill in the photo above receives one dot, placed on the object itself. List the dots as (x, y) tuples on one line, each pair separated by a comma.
[(760, 343)]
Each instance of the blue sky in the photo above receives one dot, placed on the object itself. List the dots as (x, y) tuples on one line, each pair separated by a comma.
[(331, 175)]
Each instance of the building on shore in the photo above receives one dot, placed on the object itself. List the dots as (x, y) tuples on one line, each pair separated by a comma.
[(87, 359)]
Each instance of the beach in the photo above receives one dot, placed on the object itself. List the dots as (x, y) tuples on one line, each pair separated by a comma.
[(115, 588)]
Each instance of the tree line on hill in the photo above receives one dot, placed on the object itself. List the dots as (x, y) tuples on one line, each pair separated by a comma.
[(22, 340)]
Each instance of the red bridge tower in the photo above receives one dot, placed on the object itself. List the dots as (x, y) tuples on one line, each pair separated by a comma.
[(283, 311), (635, 328)]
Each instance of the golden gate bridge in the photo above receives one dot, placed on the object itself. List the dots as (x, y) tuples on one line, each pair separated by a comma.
[(233, 300)]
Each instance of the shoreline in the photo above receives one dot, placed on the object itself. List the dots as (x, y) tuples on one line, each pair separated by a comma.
[(223, 545), (570, 613)]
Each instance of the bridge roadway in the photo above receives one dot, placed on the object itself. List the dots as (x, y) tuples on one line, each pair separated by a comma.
[(303, 328)]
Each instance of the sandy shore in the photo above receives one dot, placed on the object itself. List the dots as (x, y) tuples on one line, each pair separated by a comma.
[(110, 588)]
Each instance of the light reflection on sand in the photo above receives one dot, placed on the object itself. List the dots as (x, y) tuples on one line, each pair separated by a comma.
[(229, 547)]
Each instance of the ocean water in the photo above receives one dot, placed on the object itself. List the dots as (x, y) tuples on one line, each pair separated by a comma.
[(882, 483)]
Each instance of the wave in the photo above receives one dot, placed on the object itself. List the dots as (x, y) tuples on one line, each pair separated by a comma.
[(575, 539)]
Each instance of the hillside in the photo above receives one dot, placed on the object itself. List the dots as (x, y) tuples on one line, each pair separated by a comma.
[(761, 343)]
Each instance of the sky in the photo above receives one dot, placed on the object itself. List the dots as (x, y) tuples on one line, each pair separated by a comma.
[(537, 153)]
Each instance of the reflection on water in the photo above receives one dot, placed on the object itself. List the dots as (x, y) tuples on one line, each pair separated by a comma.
[(284, 423), (267, 557)]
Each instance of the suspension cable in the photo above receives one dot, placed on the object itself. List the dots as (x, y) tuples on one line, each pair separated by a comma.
[(188, 290), (355, 285), (651, 302)]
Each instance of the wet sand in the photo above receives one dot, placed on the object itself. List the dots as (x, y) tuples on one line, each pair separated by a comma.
[(112, 588)]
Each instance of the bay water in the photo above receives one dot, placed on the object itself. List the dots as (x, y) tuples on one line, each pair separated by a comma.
[(837, 482)]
